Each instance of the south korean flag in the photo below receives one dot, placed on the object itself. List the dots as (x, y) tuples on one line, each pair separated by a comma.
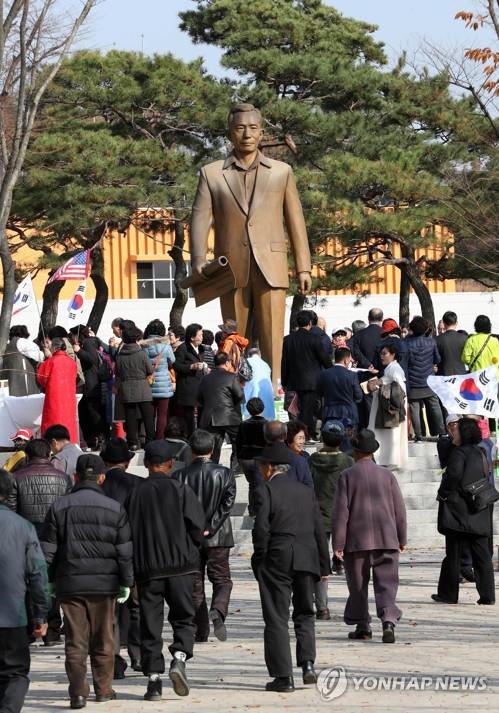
[(474, 393)]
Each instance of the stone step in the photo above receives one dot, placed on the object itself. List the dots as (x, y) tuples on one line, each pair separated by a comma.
[(421, 502), (421, 488), (429, 475)]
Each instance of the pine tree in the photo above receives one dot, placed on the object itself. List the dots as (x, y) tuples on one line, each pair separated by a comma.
[(371, 147)]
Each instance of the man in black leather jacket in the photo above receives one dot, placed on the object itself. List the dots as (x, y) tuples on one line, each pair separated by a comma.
[(220, 396), (215, 487), (36, 487)]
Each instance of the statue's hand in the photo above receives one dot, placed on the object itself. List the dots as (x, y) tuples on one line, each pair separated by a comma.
[(305, 280), (198, 267)]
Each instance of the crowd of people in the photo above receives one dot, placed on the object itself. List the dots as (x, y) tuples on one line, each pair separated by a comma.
[(81, 534)]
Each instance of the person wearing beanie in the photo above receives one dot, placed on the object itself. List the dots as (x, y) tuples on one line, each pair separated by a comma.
[(87, 545)]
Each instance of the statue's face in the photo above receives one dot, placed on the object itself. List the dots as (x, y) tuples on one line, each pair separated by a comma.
[(245, 132)]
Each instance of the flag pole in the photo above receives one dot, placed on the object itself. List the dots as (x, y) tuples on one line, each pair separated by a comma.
[(37, 307)]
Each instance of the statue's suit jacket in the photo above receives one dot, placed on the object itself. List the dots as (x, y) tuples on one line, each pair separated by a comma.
[(220, 203)]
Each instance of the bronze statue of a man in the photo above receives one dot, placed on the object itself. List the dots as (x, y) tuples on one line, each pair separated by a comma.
[(247, 199)]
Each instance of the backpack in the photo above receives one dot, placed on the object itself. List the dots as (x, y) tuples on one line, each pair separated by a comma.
[(244, 369)]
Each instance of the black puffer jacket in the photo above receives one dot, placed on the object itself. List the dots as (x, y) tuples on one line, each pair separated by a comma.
[(423, 354), (86, 542), (36, 487), (215, 488)]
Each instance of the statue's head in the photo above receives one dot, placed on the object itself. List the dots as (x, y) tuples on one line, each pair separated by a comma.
[(245, 128)]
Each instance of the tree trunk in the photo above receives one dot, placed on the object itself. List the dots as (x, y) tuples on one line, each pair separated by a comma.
[(9, 290), (405, 291), (423, 294), (101, 290), (296, 306), (181, 295), (50, 306)]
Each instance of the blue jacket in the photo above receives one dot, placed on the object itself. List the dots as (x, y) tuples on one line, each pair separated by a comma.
[(299, 471), (423, 354), (341, 392), (162, 387)]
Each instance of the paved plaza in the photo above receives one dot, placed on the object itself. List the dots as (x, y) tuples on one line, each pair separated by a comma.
[(432, 640)]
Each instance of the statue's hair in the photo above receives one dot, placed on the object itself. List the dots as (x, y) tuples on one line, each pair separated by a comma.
[(242, 109)]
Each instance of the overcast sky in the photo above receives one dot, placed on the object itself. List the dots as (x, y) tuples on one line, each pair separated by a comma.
[(153, 25)]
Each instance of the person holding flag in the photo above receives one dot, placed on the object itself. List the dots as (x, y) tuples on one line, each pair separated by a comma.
[(20, 360)]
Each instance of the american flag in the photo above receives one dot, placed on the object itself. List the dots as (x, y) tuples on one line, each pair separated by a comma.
[(76, 268)]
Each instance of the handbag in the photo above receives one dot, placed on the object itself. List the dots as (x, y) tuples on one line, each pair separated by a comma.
[(480, 494)]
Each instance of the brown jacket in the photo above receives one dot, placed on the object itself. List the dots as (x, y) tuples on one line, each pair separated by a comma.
[(368, 510), (219, 202)]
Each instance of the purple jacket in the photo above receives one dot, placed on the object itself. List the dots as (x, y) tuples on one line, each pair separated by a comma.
[(368, 510)]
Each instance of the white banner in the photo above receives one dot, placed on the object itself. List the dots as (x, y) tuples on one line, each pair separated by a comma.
[(24, 296), (77, 304), (470, 393)]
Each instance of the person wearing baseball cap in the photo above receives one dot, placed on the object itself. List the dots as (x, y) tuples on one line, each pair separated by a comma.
[(18, 459), (167, 523), (339, 335), (326, 466), (290, 554), (87, 544)]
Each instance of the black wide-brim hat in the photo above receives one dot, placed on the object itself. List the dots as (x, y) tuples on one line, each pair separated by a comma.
[(365, 442), (276, 454), (116, 451)]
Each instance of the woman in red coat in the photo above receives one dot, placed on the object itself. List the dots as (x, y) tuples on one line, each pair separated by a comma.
[(57, 377)]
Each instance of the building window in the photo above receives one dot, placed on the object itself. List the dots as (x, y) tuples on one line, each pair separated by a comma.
[(155, 280)]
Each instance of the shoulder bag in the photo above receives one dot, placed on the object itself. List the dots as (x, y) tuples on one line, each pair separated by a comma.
[(479, 353), (480, 494)]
